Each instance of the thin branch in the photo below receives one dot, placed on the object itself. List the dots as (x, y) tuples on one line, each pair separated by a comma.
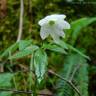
[(22, 92), (69, 82), (25, 71), (1, 68), (21, 20)]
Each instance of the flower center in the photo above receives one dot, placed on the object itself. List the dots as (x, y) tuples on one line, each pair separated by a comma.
[(51, 22)]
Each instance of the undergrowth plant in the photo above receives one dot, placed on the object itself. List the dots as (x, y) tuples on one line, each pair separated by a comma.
[(71, 80)]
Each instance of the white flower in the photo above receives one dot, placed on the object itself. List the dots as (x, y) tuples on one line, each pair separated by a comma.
[(53, 25)]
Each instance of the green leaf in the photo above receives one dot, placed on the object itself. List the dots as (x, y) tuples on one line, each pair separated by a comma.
[(75, 69), (63, 88), (83, 82), (40, 64), (79, 24), (29, 50), (5, 93), (68, 46), (24, 43), (12, 48), (76, 50), (62, 44), (5, 79), (54, 48)]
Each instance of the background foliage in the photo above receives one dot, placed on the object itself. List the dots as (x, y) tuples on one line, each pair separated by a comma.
[(82, 36)]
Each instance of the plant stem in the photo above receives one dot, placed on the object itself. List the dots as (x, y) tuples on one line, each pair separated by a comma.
[(21, 20), (22, 92), (69, 82)]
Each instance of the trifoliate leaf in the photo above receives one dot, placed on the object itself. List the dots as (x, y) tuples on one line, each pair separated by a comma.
[(24, 43), (12, 48), (40, 64), (54, 48), (29, 50)]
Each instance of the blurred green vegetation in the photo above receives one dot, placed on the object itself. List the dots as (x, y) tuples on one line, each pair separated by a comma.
[(34, 10)]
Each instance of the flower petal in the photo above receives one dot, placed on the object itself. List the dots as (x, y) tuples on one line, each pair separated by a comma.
[(62, 24), (42, 22), (54, 17), (57, 16), (58, 31), (54, 36), (61, 33), (44, 32)]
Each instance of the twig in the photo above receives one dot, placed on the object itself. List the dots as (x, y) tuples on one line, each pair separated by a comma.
[(21, 20), (21, 91), (69, 82), (1, 68)]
